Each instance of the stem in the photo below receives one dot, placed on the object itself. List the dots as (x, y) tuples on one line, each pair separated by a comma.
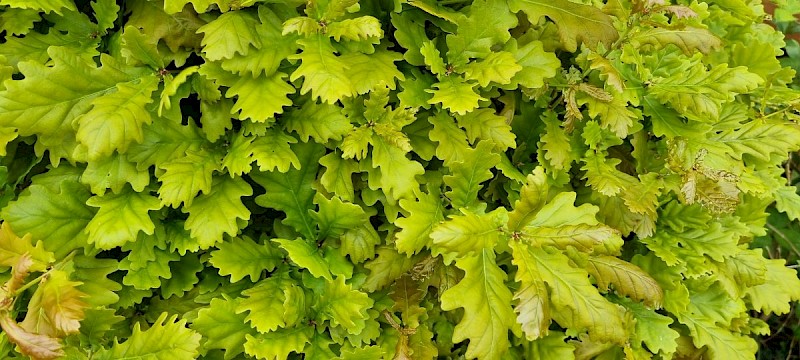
[(784, 237), (31, 283), (38, 279)]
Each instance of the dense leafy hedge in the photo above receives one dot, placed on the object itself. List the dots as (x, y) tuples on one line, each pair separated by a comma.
[(537, 179)]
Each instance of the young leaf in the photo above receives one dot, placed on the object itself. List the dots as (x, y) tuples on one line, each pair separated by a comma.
[(57, 217), (628, 279), (484, 124), (356, 143), (278, 344), (272, 151), (291, 192), (147, 263), (653, 328), (120, 218), (93, 274), (780, 288), (223, 327), (576, 304), (344, 306), (241, 257), (113, 172), (693, 90), (139, 49), (336, 217), (382, 72), (689, 39), (17, 21), (470, 233), (338, 174), (164, 142), (410, 34), (487, 309), (613, 115), (466, 176), (218, 212), (455, 94), (250, 101), (185, 177), (267, 58), (487, 24), (306, 256), (424, 213), (320, 122), (715, 242), (576, 22), (267, 304), (584, 237), (391, 159), (537, 64), (432, 58), (52, 104), (787, 201), (532, 299), (360, 243), (13, 247), (533, 196), (116, 119), (239, 158), (602, 174), (55, 6), (166, 338), (721, 342), (324, 73), (184, 276), (233, 32), (552, 346), (498, 67), (759, 139), (452, 140), (386, 267)]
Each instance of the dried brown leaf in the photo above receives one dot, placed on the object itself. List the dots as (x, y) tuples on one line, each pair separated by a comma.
[(37, 346)]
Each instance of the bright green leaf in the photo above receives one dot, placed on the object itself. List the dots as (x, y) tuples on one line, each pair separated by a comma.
[(241, 257), (166, 338), (120, 217), (487, 306), (218, 211)]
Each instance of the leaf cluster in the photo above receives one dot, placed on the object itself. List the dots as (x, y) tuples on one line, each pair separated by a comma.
[(345, 179)]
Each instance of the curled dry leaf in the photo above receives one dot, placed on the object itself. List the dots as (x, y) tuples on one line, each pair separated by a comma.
[(38, 347), (18, 273), (681, 12)]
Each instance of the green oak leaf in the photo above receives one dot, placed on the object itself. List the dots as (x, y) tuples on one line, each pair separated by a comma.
[(455, 94), (291, 192), (168, 337), (231, 33), (486, 300), (218, 211), (120, 218), (223, 327), (241, 257), (277, 345)]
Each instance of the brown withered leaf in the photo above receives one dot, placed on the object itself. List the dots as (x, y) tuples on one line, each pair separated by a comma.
[(56, 307), (37, 346), (18, 273)]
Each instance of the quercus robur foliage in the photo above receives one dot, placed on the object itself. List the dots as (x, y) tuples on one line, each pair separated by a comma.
[(344, 179)]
